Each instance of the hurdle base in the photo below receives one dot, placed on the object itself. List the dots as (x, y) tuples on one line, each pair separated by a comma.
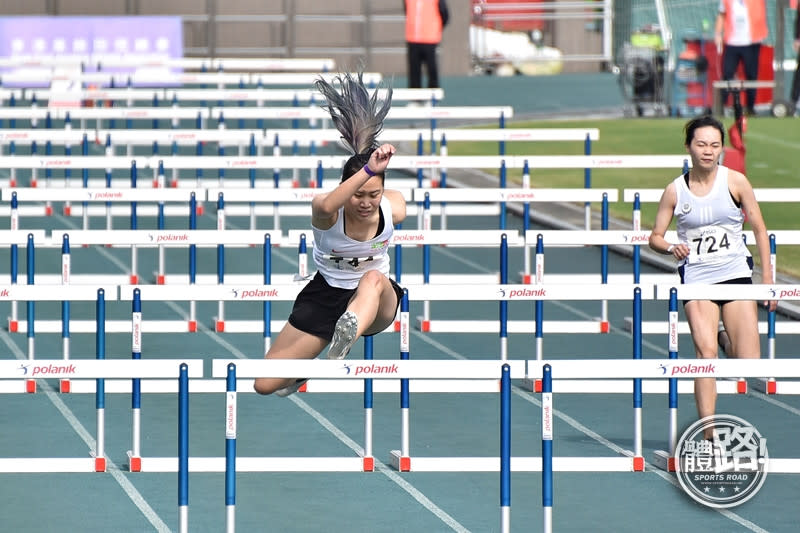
[(99, 464), (532, 384), (399, 462), (423, 325), (369, 463), (767, 386), (663, 461), (134, 462)]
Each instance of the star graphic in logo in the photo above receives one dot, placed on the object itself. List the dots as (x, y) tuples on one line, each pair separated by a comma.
[(772, 292), (502, 292), (150, 236), (663, 369), (24, 369), (235, 293), (347, 368)]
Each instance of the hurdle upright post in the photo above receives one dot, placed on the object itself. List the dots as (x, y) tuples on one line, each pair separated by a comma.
[(604, 325), (526, 223), (100, 393), (109, 153), (85, 181), (161, 224), (369, 458), (442, 183), (638, 459), (13, 321), (183, 448), (547, 448), (230, 449), (503, 186), (665, 459), (48, 150), (134, 224), (637, 226), (64, 385), (30, 385), (769, 385), (267, 303), (135, 455), (220, 323), (503, 303), (192, 261), (48, 174), (251, 174), (401, 459), (587, 184), (505, 449)]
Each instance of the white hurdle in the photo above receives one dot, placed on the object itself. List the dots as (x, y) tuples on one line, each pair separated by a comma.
[(32, 293), (673, 293), (97, 370)]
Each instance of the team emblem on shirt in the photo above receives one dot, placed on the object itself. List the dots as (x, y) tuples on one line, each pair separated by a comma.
[(686, 208)]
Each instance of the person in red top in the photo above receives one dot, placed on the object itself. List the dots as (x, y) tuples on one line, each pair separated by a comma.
[(425, 20), (742, 27)]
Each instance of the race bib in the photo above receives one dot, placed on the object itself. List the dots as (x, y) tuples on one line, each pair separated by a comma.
[(710, 243), (352, 264)]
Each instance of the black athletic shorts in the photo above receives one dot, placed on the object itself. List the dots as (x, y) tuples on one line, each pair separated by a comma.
[(319, 306), (735, 281)]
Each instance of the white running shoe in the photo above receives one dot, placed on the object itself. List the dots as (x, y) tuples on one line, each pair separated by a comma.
[(291, 389), (344, 335)]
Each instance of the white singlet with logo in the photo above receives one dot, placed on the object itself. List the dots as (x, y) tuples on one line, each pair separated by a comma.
[(342, 260), (711, 226)]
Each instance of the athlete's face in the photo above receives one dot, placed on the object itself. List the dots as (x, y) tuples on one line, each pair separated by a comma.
[(705, 148), (366, 201)]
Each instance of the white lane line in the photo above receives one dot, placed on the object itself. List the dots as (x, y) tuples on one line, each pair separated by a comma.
[(112, 468)]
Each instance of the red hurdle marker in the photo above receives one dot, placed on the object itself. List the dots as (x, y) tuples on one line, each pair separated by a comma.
[(741, 386)]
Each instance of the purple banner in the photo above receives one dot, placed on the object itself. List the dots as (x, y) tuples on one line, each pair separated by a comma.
[(32, 46)]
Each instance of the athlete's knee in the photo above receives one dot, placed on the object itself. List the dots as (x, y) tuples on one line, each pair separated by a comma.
[(371, 279), (263, 386)]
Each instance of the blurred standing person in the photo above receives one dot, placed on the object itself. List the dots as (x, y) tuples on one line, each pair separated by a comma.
[(425, 20), (741, 26)]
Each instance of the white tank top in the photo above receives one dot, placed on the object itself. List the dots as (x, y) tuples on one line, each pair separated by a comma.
[(342, 260), (711, 226)]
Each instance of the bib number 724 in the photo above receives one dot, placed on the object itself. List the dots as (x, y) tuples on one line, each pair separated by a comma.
[(708, 244)]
